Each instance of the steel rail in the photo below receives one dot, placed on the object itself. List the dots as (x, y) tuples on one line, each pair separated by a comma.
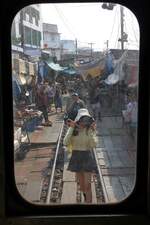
[(54, 167), (101, 177)]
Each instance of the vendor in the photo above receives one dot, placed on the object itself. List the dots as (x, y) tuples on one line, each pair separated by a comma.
[(130, 114)]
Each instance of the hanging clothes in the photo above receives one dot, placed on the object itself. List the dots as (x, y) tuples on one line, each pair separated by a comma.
[(31, 69), (22, 67), (118, 73), (16, 88), (109, 66), (40, 71)]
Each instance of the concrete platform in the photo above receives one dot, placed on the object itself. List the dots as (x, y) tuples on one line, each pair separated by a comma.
[(116, 153), (48, 134)]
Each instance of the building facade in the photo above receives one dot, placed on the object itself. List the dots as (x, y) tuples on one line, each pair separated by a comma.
[(68, 46), (51, 40), (27, 31)]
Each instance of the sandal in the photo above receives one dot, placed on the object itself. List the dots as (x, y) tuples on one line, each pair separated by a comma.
[(49, 123)]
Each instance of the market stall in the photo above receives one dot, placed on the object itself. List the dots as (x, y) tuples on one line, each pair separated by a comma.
[(26, 117)]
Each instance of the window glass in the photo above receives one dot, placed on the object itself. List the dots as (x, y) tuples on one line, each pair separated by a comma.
[(75, 99), (27, 35)]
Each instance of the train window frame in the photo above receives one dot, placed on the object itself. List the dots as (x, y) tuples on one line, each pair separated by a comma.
[(13, 205)]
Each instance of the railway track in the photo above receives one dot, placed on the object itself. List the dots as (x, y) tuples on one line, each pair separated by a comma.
[(112, 182), (52, 187), (52, 183), (42, 177)]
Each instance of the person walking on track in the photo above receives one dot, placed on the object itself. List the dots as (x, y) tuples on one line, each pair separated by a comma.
[(95, 102), (81, 135), (42, 103), (58, 99), (73, 108)]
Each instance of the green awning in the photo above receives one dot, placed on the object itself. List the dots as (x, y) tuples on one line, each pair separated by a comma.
[(55, 66), (70, 71)]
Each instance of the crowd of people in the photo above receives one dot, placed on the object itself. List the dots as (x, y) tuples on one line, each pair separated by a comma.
[(84, 94), (81, 117), (46, 95), (82, 111)]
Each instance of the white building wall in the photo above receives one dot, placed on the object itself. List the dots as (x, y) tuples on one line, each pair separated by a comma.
[(17, 22), (51, 40), (32, 25), (68, 46), (41, 26), (29, 24)]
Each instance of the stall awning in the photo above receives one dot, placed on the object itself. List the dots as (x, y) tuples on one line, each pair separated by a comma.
[(32, 52), (118, 73), (94, 72), (112, 79), (70, 71), (22, 66), (93, 69), (31, 69), (55, 66)]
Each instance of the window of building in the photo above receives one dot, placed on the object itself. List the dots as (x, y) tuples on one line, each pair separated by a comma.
[(37, 21), (27, 35), (27, 17), (34, 19), (53, 37), (34, 37), (39, 38)]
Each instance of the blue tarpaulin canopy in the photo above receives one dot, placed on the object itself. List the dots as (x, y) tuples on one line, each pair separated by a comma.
[(55, 66), (70, 71)]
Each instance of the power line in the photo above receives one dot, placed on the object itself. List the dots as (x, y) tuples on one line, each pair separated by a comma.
[(91, 44), (117, 35), (125, 26), (61, 15), (133, 28), (63, 19), (132, 42), (113, 24), (83, 42)]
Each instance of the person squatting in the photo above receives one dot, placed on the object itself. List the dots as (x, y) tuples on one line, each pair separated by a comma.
[(81, 135)]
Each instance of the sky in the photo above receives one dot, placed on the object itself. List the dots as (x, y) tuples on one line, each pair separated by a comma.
[(90, 23)]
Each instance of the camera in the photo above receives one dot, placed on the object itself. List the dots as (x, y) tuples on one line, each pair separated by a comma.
[(87, 120)]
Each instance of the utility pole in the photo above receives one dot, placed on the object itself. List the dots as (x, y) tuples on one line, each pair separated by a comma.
[(122, 27), (61, 51), (91, 44), (107, 42), (76, 48), (124, 36)]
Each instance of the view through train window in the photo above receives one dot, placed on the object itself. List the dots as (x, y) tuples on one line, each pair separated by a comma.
[(75, 81)]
